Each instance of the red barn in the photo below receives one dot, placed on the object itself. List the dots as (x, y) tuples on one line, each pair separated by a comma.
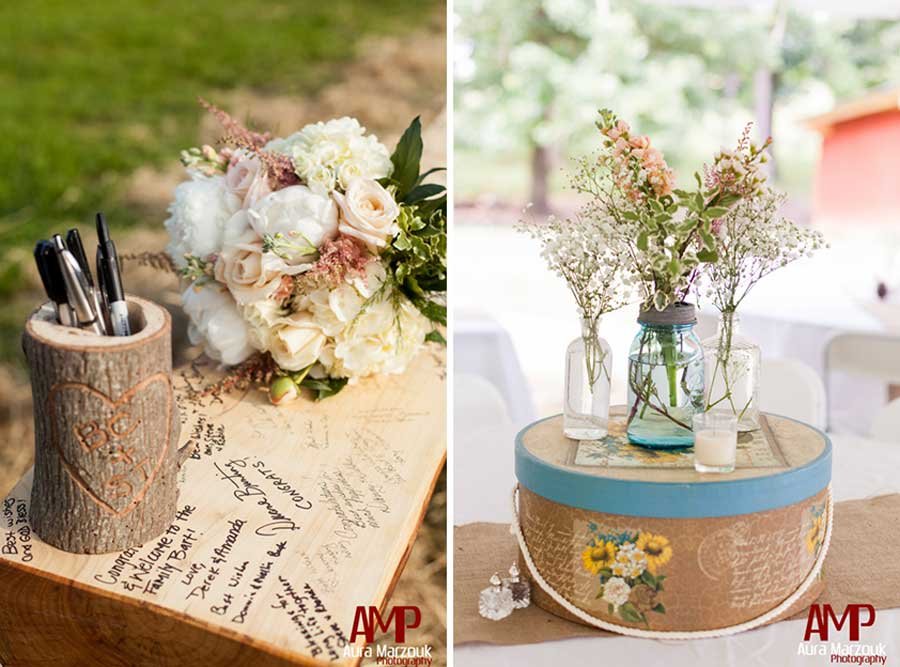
[(858, 179)]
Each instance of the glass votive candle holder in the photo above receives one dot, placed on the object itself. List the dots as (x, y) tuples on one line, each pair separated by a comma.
[(715, 441)]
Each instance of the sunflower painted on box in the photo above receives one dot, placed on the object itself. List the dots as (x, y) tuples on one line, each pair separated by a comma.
[(815, 529), (628, 565)]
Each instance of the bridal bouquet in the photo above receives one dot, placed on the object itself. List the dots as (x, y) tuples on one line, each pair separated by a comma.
[(314, 259)]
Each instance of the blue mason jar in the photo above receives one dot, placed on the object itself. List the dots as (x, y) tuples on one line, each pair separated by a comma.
[(665, 378)]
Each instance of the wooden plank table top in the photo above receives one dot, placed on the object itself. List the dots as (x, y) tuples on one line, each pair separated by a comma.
[(288, 519)]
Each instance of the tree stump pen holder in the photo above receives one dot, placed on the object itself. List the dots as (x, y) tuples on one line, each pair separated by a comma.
[(106, 428)]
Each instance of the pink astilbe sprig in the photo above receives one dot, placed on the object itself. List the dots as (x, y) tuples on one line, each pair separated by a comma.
[(279, 168), (236, 133), (339, 259), (738, 172)]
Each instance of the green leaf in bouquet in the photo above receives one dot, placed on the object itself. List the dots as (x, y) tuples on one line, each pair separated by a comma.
[(661, 219), (726, 199), (434, 311), (707, 256), (324, 387), (709, 241), (643, 241), (430, 206), (428, 173), (674, 267), (612, 609), (424, 191), (629, 613), (714, 212), (406, 158), (698, 179), (660, 300), (435, 336), (659, 608), (631, 215), (648, 579), (411, 285)]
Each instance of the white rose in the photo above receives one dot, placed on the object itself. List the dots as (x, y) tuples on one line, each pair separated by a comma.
[(368, 212), (296, 341), (320, 179), (216, 323), (616, 592), (197, 217), (243, 268), (304, 221), (261, 318), (246, 178)]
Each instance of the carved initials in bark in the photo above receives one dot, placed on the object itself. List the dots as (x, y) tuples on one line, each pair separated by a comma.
[(112, 432)]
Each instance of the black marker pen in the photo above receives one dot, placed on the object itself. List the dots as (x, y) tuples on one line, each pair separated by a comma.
[(51, 277), (111, 279)]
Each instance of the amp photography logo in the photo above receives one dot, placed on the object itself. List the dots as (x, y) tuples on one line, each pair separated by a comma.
[(368, 620), (825, 633)]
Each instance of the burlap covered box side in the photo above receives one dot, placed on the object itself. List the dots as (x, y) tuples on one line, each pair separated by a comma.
[(673, 574)]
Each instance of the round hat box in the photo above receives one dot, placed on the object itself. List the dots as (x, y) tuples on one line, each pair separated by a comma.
[(638, 539)]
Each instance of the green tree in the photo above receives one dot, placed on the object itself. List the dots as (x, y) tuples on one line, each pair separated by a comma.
[(531, 74)]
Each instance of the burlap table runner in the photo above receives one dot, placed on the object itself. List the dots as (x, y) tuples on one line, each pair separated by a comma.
[(862, 566)]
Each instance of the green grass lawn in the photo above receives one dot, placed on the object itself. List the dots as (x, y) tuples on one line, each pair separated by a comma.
[(91, 90)]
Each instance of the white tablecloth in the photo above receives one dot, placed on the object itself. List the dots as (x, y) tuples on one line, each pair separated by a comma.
[(484, 477)]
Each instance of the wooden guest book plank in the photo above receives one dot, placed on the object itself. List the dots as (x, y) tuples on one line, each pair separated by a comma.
[(288, 518)]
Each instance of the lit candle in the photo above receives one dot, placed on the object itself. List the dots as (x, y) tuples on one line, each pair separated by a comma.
[(715, 441)]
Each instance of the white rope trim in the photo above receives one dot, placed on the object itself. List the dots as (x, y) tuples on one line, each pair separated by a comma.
[(660, 634)]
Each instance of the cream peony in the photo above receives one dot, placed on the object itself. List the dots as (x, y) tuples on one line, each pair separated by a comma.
[(197, 217), (368, 212), (297, 221), (246, 178), (333, 153), (216, 323), (296, 341)]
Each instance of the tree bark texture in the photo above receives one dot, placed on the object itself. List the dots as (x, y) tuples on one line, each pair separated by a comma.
[(106, 431)]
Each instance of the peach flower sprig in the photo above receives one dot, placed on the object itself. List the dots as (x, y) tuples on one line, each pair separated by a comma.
[(663, 234)]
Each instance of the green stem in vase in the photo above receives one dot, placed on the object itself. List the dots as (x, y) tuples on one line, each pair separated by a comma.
[(669, 356)]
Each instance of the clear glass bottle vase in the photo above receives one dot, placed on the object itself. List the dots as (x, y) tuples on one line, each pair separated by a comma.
[(665, 378), (586, 400), (732, 373)]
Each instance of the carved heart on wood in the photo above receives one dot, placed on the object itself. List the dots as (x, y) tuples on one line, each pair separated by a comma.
[(112, 448)]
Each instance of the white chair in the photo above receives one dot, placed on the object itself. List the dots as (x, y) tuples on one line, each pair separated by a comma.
[(871, 355), (477, 403), (792, 389), (482, 347), (886, 425), (483, 442)]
